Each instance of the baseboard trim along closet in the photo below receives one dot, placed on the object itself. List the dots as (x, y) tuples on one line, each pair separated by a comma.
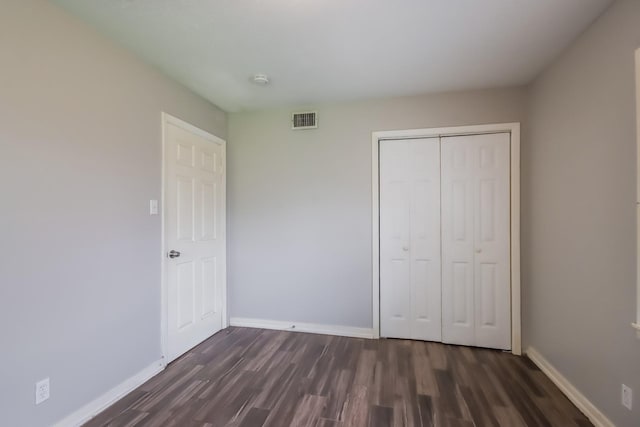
[(312, 328), (98, 405), (573, 394)]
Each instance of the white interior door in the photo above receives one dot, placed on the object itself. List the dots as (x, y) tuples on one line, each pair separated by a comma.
[(194, 237), (476, 240), (410, 239)]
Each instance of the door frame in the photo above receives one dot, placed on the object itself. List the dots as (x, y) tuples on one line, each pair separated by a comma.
[(514, 130), (164, 304), (636, 324)]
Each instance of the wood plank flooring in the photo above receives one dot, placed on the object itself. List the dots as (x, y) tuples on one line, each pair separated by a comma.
[(251, 377)]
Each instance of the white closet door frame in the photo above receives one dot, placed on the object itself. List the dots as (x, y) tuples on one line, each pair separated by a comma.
[(164, 303), (636, 325), (514, 130)]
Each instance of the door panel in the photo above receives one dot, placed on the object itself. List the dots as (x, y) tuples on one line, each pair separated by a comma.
[(395, 267), (185, 205), (462, 297), (410, 239), (493, 242), (457, 243), (476, 240), (487, 309), (186, 294), (210, 298), (208, 212), (194, 226)]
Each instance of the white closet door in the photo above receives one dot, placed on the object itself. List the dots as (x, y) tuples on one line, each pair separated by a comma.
[(476, 241), (410, 239)]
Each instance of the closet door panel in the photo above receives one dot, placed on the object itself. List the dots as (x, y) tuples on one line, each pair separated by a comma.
[(458, 316), (410, 239), (476, 240), (395, 228), (425, 239), (492, 242)]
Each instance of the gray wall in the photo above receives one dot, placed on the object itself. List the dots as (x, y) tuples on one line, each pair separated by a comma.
[(300, 201), (80, 142), (578, 220)]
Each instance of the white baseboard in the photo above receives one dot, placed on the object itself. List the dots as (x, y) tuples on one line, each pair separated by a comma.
[(98, 405), (574, 395), (313, 328)]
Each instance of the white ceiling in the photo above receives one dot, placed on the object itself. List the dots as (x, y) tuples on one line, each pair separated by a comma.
[(319, 51)]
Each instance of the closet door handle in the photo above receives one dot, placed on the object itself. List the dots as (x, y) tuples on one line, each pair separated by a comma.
[(405, 248), (478, 251)]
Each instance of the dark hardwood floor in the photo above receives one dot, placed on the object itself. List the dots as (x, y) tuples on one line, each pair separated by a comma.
[(251, 377)]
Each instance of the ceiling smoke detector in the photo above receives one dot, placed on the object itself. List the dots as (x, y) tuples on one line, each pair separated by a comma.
[(261, 79)]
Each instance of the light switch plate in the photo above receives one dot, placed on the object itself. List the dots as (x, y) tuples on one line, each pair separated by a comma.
[(42, 391), (153, 207), (627, 397)]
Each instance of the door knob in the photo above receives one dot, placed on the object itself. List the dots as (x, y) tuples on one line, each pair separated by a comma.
[(405, 248), (478, 251), (173, 254)]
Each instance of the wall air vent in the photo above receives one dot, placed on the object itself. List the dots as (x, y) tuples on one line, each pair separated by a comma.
[(304, 120)]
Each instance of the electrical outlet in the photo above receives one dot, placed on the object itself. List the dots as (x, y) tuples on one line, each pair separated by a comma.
[(42, 391), (627, 397)]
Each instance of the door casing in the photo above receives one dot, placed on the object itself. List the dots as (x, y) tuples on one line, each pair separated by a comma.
[(164, 309), (514, 130), (636, 325)]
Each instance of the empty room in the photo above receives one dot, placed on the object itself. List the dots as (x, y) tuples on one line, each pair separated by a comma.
[(323, 213)]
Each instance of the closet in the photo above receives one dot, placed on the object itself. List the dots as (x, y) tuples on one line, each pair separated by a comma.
[(445, 239)]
